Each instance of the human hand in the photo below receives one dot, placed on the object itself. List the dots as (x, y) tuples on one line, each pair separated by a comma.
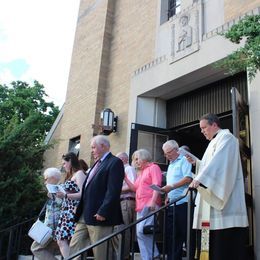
[(60, 194), (151, 206), (49, 195), (99, 217), (190, 159), (167, 188), (194, 184)]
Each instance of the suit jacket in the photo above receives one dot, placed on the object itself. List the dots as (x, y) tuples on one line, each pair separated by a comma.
[(102, 194)]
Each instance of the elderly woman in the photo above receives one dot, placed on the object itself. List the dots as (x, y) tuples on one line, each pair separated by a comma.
[(74, 180), (146, 199), (42, 252)]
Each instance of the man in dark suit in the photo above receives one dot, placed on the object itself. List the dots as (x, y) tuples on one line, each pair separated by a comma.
[(99, 208)]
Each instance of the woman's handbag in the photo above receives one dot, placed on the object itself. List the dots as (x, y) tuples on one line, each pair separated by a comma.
[(151, 228), (40, 232)]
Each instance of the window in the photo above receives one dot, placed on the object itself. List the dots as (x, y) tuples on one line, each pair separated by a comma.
[(153, 143), (74, 145), (168, 9), (173, 7)]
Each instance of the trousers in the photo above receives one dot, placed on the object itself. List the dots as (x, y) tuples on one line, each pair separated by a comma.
[(87, 234), (45, 252), (145, 241)]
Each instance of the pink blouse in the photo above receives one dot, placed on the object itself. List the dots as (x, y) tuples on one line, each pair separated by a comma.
[(150, 175)]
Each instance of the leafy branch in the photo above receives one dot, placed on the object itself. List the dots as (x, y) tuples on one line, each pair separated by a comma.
[(245, 58)]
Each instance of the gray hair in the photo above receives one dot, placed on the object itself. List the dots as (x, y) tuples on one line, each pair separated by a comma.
[(172, 143), (52, 172), (101, 139), (123, 156), (144, 155)]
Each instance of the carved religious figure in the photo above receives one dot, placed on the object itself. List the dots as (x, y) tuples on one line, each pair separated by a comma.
[(185, 33)]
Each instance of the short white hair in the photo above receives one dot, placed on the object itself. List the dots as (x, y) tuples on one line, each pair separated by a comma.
[(123, 156), (172, 143), (101, 139), (144, 155), (52, 172)]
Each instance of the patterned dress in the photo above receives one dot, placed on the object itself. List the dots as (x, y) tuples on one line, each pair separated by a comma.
[(66, 223), (52, 214)]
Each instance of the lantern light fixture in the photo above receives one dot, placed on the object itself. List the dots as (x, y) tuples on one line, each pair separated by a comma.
[(108, 121)]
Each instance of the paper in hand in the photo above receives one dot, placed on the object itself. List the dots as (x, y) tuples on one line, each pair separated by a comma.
[(183, 152), (52, 188), (157, 188)]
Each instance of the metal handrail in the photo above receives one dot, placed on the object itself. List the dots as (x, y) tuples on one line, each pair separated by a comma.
[(11, 239), (123, 229)]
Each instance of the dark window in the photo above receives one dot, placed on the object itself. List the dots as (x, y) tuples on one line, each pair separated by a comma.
[(74, 145), (173, 7)]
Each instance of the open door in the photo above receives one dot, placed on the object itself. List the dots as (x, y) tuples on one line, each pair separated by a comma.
[(240, 117), (152, 139)]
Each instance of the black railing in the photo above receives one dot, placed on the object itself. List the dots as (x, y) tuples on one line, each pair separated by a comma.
[(14, 240), (87, 252)]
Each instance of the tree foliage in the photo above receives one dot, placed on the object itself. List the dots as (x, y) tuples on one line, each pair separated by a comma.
[(25, 118), (246, 58)]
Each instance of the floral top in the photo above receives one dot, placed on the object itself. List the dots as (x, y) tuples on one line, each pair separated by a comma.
[(52, 214)]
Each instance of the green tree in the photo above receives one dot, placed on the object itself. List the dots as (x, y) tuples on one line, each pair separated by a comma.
[(246, 58), (25, 118)]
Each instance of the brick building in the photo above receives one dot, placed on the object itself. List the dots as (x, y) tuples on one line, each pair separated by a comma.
[(151, 62)]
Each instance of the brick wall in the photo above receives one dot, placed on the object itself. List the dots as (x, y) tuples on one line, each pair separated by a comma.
[(235, 8), (113, 38)]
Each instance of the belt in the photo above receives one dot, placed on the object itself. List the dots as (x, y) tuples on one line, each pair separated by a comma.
[(127, 198)]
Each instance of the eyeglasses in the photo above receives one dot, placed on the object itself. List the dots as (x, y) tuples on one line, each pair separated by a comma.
[(169, 152)]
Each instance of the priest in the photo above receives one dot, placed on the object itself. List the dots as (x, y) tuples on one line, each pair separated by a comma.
[(220, 211)]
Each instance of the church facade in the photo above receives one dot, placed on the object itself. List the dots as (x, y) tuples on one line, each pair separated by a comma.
[(152, 63)]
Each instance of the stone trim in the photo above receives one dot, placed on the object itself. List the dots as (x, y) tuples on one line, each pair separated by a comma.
[(225, 27), (149, 65)]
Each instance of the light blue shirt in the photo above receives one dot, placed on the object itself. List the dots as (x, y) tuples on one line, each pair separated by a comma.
[(177, 170)]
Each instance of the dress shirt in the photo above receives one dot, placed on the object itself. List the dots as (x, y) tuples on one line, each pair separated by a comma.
[(177, 170), (131, 175)]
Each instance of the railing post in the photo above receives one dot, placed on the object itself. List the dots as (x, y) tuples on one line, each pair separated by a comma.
[(154, 223), (132, 241), (173, 229), (10, 245), (164, 231), (121, 245), (190, 243)]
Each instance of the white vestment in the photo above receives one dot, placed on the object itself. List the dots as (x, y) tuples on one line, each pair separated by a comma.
[(220, 171)]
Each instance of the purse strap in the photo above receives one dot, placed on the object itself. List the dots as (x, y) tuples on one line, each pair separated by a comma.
[(43, 209), (53, 213)]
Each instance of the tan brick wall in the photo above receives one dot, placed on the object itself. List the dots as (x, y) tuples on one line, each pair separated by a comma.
[(132, 46), (113, 38), (83, 83), (235, 8), (51, 158)]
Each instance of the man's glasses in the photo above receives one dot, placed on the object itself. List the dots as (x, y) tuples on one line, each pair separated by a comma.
[(169, 152)]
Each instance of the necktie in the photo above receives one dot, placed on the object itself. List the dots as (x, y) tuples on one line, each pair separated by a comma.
[(93, 172)]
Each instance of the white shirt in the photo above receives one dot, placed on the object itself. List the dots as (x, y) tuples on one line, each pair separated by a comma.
[(131, 175)]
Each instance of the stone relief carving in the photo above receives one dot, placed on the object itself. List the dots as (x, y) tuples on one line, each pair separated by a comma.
[(185, 32)]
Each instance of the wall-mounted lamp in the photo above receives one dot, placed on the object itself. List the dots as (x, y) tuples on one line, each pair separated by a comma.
[(108, 121)]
